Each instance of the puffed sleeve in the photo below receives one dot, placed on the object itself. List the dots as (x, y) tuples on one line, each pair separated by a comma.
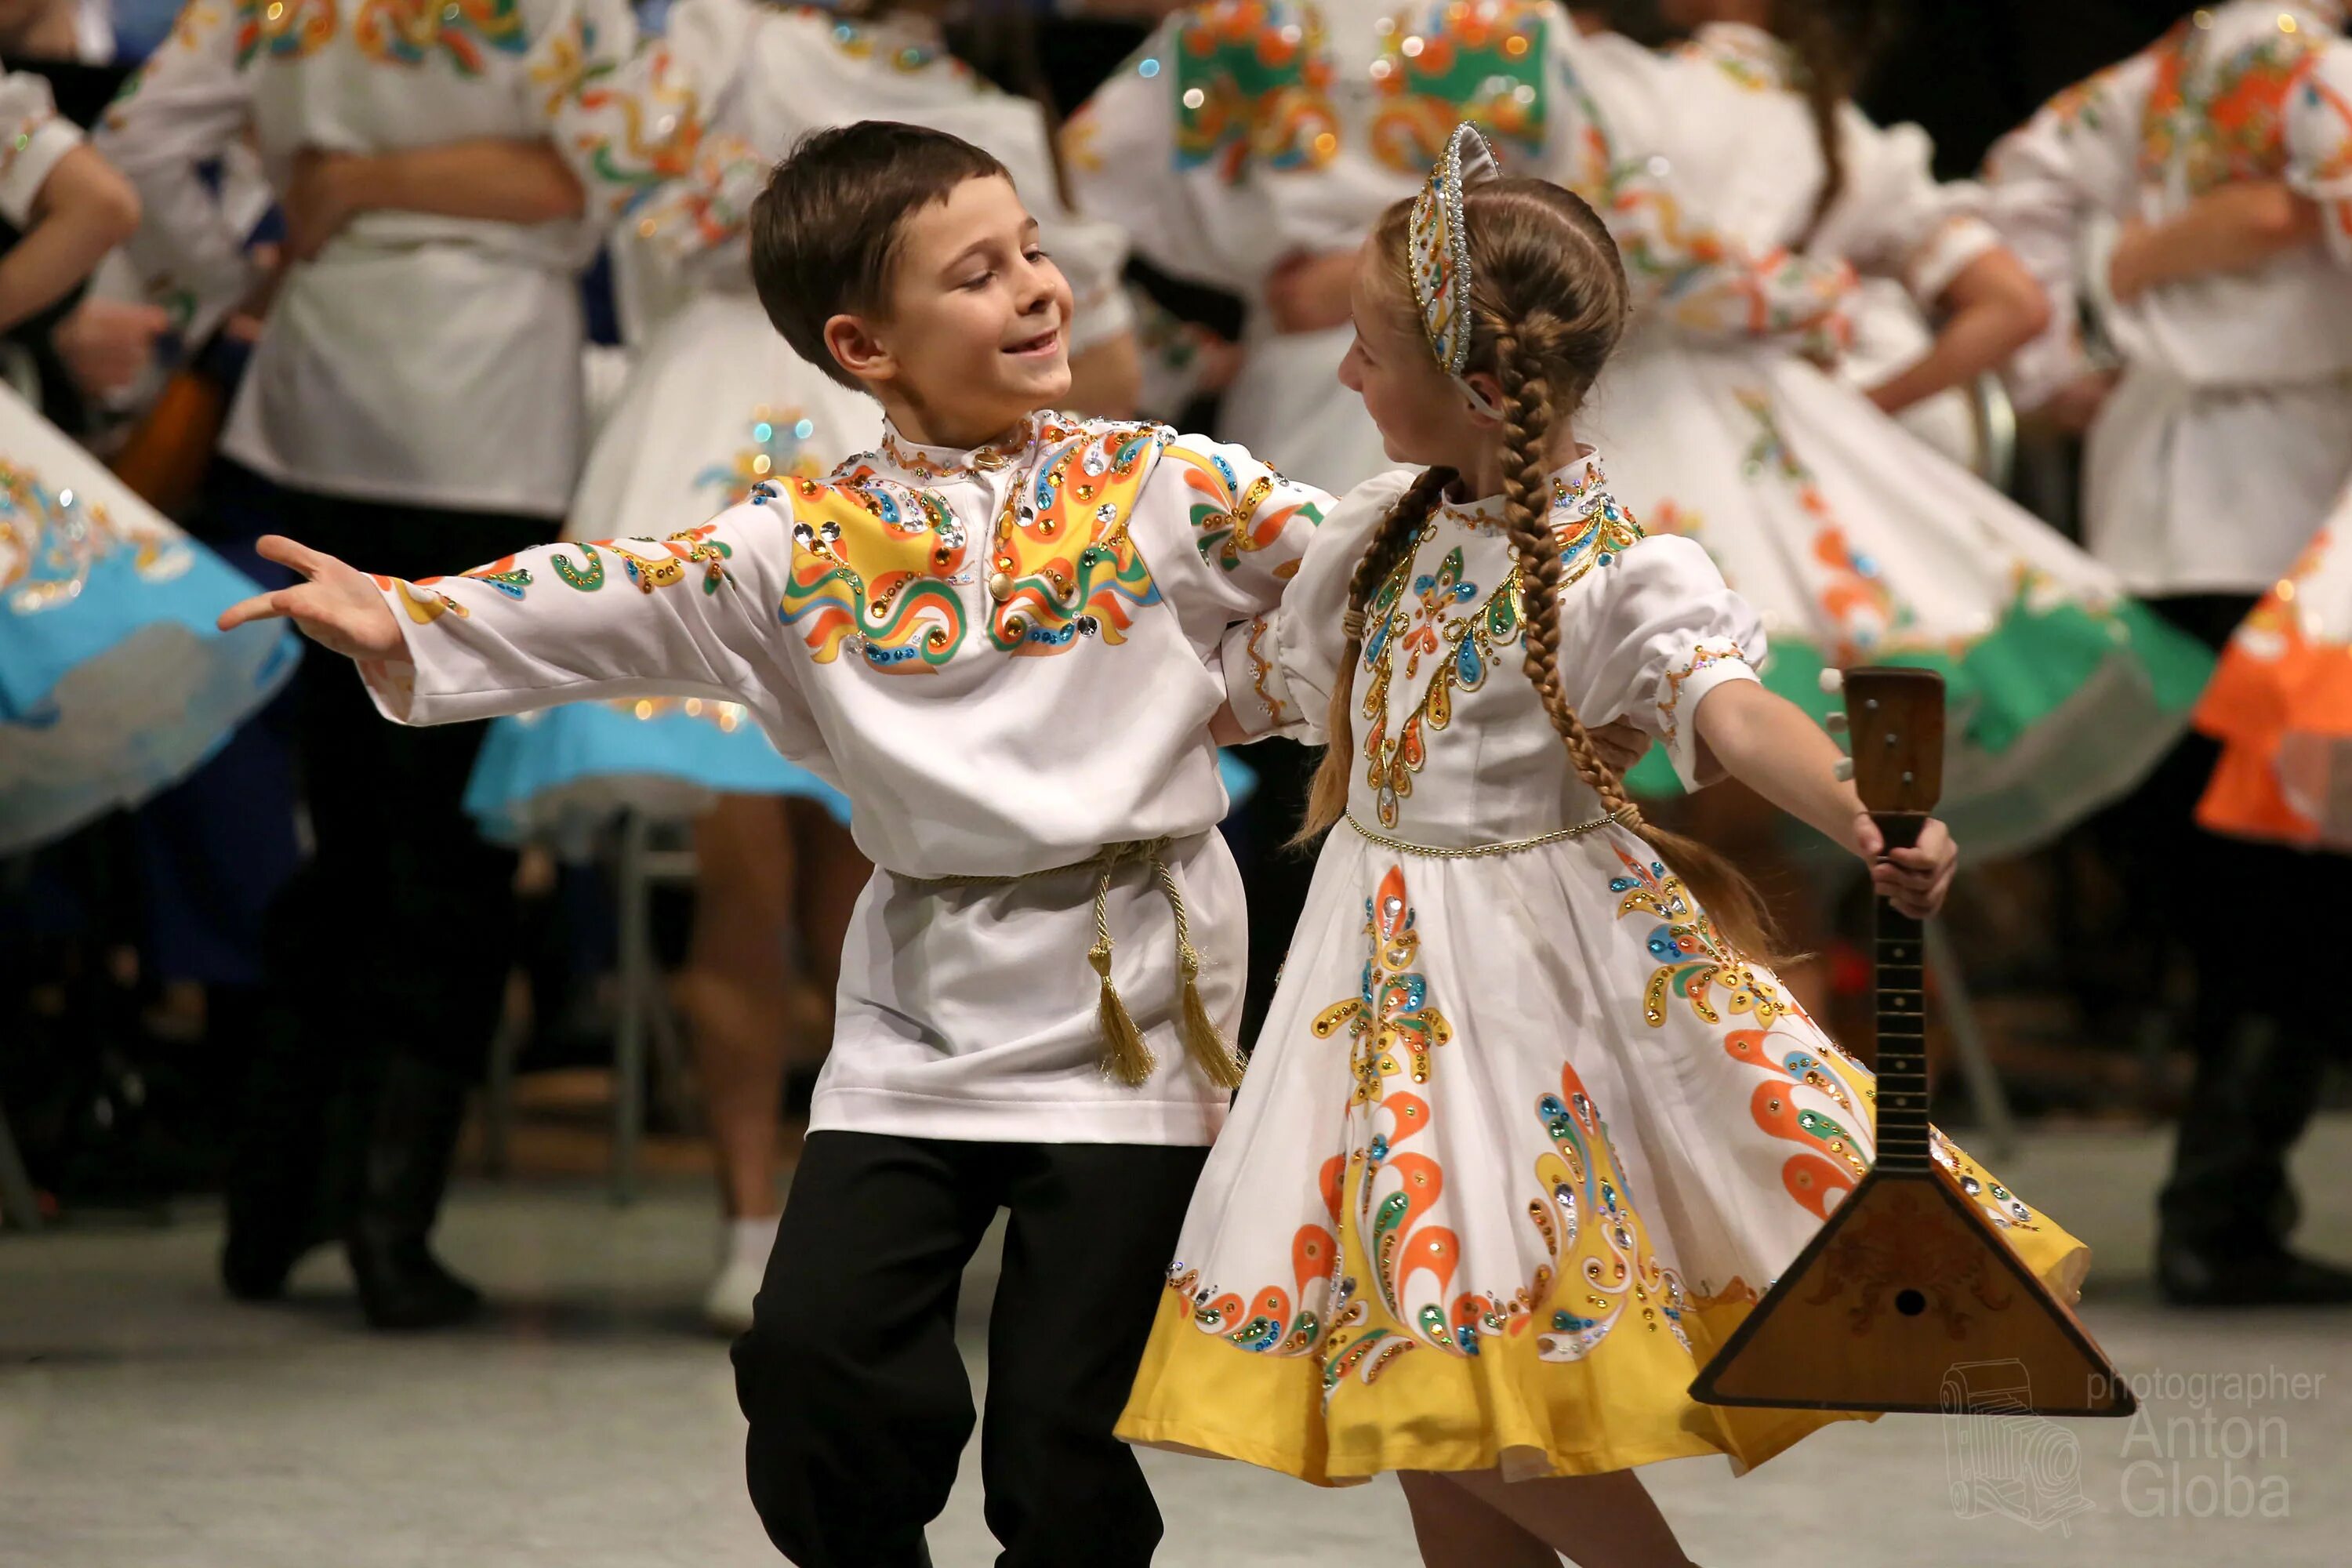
[(2048, 183), (690, 616), (35, 138), (1645, 637), (2319, 144), (635, 122), (1280, 665), (1894, 218), (1221, 532)]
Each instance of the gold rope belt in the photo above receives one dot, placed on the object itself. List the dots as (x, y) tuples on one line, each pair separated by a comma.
[(1125, 1055), (1627, 815)]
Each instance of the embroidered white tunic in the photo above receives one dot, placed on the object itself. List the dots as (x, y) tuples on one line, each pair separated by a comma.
[(420, 359), (2229, 434), (1008, 659)]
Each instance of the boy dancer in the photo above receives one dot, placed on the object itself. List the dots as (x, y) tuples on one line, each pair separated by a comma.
[(1004, 634)]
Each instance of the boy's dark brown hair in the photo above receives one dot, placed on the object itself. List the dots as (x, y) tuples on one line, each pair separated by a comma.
[(825, 231)]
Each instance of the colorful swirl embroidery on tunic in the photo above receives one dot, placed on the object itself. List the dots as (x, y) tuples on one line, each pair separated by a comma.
[(1452, 61), (1226, 524), (1692, 960), (1062, 543), (1253, 84), (283, 29), (411, 32), (874, 568), (2224, 120)]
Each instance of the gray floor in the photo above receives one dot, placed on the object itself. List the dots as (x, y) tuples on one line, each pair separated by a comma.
[(144, 1422)]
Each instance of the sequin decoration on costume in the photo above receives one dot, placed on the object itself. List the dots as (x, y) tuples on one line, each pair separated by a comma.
[(874, 568), (1998, 1203), (411, 32), (1701, 655), (423, 603), (859, 43), (1601, 1250), (283, 29), (778, 452), (1834, 1145), (978, 460), (693, 547), (1854, 598), (1278, 712), (51, 540), (1692, 960), (1253, 84), (1466, 651), (1389, 1023), (1061, 564), (1225, 520), (1451, 60), (1592, 529), (504, 576), (2218, 122), (1437, 248)]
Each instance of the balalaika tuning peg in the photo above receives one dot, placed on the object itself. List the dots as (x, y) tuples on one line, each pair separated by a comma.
[(1834, 723), (1833, 682), (1844, 770)]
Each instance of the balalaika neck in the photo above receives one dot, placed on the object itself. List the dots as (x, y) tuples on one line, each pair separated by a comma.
[(1900, 995)]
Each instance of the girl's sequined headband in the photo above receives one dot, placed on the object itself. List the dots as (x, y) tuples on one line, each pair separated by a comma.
[(1440, 250)]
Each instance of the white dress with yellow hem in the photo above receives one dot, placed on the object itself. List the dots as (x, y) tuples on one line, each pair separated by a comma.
[(1522, 1139)]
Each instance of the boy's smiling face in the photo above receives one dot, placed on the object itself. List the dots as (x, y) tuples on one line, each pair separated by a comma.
[(977, 333)]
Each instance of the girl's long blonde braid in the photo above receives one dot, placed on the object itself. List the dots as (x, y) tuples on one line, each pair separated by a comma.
[(1522, 349), (1326, 800)]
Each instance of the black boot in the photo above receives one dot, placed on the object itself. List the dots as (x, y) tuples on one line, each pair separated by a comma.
[(419, 1109), (276, 1184)]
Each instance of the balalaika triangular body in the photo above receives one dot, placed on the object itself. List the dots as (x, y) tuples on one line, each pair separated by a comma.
[(1908, 1282)]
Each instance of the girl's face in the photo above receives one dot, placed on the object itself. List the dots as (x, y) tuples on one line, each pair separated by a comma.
[(1424, 418)]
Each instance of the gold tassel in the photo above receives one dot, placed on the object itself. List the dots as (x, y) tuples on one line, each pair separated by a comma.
[(1203, 1041), (1124, 1058)]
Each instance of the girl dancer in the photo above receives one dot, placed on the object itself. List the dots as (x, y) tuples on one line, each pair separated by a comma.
[(113, 681), (718, 404), (1530, 1125), (1252, 144)]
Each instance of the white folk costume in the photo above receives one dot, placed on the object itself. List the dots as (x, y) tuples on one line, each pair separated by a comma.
[(2281, 705), (1854, 541), (113, 681), (957, 640), (419, 359), (1523, 1139), (719, 401), (2231, 433)]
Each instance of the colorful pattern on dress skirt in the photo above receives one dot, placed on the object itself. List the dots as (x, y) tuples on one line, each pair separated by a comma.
[(1693, 958), (50, 541)]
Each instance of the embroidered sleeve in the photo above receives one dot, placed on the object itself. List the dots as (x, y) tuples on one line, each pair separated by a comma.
[(185, 108), (2319, 144), (1280, 665), (635, 122), (690, 616), (1646, 638), (2048, 183)]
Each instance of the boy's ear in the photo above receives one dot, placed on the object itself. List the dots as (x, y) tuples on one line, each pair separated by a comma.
[(856, 350)]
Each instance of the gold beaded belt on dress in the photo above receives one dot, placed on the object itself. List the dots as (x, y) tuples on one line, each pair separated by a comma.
[(1627, 815), (1125, 1056)]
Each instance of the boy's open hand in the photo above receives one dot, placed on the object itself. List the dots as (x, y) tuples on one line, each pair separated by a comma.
[(339, 608), (1914, 880)]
